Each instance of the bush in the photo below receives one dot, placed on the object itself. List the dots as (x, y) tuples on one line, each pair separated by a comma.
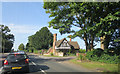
[(82, 50), (81, 57), (40, 51), (51, 54), (35, 51), (98, 52), (89, 55), (98, 55)]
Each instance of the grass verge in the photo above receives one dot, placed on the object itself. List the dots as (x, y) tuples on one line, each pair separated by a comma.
[(103, 67)]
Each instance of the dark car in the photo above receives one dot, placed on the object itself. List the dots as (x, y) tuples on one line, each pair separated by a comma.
[(16, 62)]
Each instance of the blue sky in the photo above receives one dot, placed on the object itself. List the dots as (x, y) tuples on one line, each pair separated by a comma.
[(25, 18)]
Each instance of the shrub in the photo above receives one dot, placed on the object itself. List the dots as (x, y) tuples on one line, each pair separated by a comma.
[(102, 57), (82, 50), (40, 51), (30, 50), (89, 55), (98, 52), (81, 57), (35, 51), (51, 54)]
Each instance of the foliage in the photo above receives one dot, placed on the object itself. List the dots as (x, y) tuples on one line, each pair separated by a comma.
[(81, 57), (30, 50), (35, 51), (93, 19), (27, 46), (41, 39), (21, 46), (98, 52), (40, 51), (102, 56), (82, 50), (7, 38), (51, 54), (115, 41)]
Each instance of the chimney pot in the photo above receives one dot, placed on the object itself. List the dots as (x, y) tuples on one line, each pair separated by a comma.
[(70, 38)]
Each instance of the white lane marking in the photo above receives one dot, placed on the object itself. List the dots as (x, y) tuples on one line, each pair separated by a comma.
[(33, 63), (1, 68), (40, 68), (59, 62), (43, 71)]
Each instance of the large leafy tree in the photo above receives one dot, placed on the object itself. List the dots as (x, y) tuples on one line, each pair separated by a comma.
[(21, 46), (66, 15), (109, 22), (42, 39), (84, 15), (6, 39)]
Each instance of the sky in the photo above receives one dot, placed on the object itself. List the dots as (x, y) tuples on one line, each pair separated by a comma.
[(26, 18)]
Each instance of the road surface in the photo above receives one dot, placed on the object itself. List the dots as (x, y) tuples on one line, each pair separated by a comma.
[(46, 65)]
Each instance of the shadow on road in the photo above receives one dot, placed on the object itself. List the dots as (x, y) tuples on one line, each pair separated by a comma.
[(42, 60), (33, 69), (38, 68)]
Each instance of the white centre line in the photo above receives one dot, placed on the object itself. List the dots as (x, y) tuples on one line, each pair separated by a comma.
[(43, 71), (33, 63), (40, 68), (1, 68)]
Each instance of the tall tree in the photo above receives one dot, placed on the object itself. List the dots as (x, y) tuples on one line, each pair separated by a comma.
[(21, 46), (69, 14), (41, 39), (7, 38), (109, 22), (83, 15)]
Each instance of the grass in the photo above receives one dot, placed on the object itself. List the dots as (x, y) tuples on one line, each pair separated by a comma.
[(97, 65)]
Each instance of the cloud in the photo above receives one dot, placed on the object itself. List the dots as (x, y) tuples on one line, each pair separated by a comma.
[(23, 29)]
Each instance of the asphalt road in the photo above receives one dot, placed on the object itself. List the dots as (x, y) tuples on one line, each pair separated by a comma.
[(46, 65)]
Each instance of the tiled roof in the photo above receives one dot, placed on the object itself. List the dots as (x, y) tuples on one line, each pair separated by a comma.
[(71, 43)]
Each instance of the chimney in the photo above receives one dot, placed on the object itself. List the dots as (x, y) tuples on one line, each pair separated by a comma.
[(70, 37), (54, 40), (54, 37)]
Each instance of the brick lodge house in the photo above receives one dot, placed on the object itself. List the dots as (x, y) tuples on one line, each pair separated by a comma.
[(62, 47)]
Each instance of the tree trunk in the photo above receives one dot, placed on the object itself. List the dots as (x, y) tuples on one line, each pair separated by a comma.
[(105, 40), (92, 41), (86, 43)]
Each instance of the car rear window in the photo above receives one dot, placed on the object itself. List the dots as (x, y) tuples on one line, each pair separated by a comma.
[(17, 56)]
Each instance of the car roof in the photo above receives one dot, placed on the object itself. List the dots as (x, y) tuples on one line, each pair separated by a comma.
[(19, 52)]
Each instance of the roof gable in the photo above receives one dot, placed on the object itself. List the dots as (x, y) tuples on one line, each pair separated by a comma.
[(71, 43)]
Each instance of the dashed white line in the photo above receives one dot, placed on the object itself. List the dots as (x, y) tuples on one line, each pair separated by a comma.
[(1, 68), (43, 71), (33, 63), (40, 68), (59, 62)]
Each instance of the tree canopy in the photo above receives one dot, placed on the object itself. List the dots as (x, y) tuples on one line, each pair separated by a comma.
[(42, 39), (21, 46), (95, 19), (7, 39)]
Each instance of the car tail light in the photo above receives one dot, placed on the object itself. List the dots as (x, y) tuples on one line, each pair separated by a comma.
[(26, 60), (5, 62)]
